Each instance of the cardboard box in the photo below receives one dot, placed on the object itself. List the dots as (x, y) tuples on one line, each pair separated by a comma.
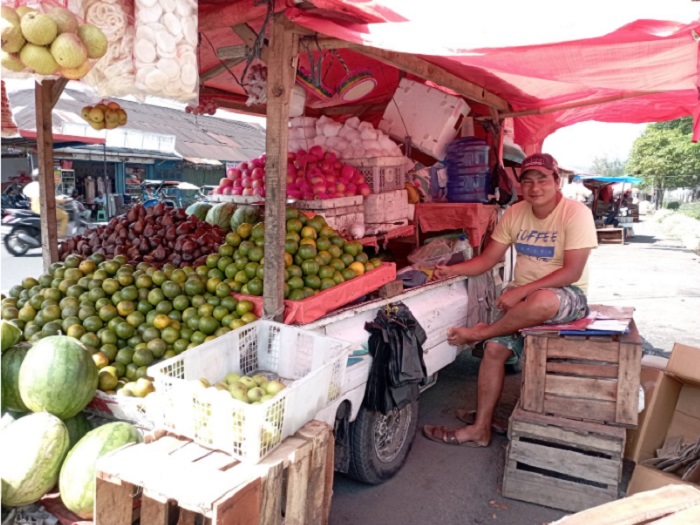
[(673, 410), (648, 379)]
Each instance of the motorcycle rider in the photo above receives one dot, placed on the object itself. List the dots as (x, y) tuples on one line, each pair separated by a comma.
[(32, 191)]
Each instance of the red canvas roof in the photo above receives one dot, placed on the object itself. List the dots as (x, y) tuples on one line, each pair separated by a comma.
[(645, 71)]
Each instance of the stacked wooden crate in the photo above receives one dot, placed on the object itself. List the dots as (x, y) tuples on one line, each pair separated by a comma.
[(568, 432)]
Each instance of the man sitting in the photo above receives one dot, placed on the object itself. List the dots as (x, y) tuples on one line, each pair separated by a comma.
[(553, 237)]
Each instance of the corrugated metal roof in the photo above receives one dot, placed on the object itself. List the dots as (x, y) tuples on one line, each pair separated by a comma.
[(202, 137)]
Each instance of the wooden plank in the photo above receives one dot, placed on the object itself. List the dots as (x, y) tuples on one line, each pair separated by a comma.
[(628, 383), (282, 66), (581, 387), (241, 507), (534, 370), (582, 369), (684, 517), (186, 517), (568, 462), (297, 486), (271, 508), (428, 71), (44, 95), (593, 409), (585, 441), (588, 349), (153, 512), (215, 71), (317, 479), (113, 503), (329, 474), (640, 508), (567, 423), (217, 461), (552, 492)]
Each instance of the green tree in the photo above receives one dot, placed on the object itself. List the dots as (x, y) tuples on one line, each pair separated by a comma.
[(665, 157), (607, 168)]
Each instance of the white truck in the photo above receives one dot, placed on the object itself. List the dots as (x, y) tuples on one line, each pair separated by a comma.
[(370, 446)]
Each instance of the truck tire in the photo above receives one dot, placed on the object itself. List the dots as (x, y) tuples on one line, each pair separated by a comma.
[(380, 444)]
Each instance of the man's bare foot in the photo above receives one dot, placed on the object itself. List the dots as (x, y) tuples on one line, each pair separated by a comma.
[(457, 336)]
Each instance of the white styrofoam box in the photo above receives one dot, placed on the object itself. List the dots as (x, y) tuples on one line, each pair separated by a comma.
[(382, 173), (411, 212), (137, 410), (324, 204), (430, 117), (311, 365), (340, 213), (386, 207)]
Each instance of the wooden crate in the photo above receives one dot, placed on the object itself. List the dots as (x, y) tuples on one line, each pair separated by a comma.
[(587, 378), (562, 463), (178, 480), (611, 236)]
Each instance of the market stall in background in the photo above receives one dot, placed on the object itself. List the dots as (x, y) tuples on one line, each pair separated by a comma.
[(234, 323)]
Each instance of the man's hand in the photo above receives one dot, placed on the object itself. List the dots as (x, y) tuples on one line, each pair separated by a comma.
[(510, 298), (442, 272)]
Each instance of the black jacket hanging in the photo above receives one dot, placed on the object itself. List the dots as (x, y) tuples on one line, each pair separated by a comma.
[(396, 345)]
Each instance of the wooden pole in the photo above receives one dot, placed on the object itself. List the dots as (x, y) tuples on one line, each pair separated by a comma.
[(46, 95), (281, 72)]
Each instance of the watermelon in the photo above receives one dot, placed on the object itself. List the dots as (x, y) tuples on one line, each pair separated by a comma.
[(244, 215), (58, 376), (10, 335), (77, 479), (32, 450), (220, 215), (77, 427), (10, 417), (199, 210), (11, 361)]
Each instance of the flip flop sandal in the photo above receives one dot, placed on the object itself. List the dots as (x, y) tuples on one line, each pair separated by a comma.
[(442, 434), (469, 417)]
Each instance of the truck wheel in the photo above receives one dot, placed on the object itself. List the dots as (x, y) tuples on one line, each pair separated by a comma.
[(380, 444)]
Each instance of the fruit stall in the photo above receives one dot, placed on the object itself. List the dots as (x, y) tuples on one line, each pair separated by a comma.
[(209, 338)]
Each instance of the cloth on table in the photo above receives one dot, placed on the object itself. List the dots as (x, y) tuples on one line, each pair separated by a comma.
[(474, 219)]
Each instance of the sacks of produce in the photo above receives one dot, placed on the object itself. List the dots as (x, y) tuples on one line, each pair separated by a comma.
[(77, 477), (32, 450)]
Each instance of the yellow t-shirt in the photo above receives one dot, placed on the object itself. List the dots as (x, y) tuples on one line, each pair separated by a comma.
[(540, 243)]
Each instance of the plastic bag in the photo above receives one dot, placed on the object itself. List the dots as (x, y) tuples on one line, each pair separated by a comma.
[(48, 40), (165, 48), (114, 74), (436, 252), (396, 345)]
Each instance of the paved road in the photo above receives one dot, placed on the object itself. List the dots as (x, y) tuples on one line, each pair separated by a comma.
[(14, 269)]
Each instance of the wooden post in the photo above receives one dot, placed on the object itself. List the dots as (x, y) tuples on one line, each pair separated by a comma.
[(281, 72), (46, 94)]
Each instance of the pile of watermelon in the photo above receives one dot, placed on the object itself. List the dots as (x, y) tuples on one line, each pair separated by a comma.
[(45, 437)]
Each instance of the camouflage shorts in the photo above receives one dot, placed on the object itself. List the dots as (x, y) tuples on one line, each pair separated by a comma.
[(573, 305)]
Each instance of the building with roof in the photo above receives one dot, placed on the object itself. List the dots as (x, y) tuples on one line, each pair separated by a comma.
[(161, 143)]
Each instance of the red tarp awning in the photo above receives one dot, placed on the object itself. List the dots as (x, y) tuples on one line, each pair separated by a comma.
[(645, 71)]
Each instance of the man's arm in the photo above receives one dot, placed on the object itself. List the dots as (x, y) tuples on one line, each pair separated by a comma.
[(574, 264), (492, 254)]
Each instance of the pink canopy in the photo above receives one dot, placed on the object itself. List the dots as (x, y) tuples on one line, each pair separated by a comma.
[(645, 71)]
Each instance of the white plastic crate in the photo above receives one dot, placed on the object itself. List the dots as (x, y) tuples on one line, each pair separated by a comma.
[(312, 366), (428, 115), (382, 173), (386, 207)]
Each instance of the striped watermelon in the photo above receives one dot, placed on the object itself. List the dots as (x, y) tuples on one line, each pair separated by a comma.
[(58, 376), (77, 478), (32, 450), (11, 361), (77, 427)]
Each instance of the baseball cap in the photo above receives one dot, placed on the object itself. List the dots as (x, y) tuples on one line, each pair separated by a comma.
[(542, 162)]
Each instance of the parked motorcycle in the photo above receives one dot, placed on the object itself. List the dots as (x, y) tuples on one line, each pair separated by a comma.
[(25, 233)]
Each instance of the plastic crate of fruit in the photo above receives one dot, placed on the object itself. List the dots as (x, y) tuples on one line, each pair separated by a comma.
[(290, 375), (382, 173)]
